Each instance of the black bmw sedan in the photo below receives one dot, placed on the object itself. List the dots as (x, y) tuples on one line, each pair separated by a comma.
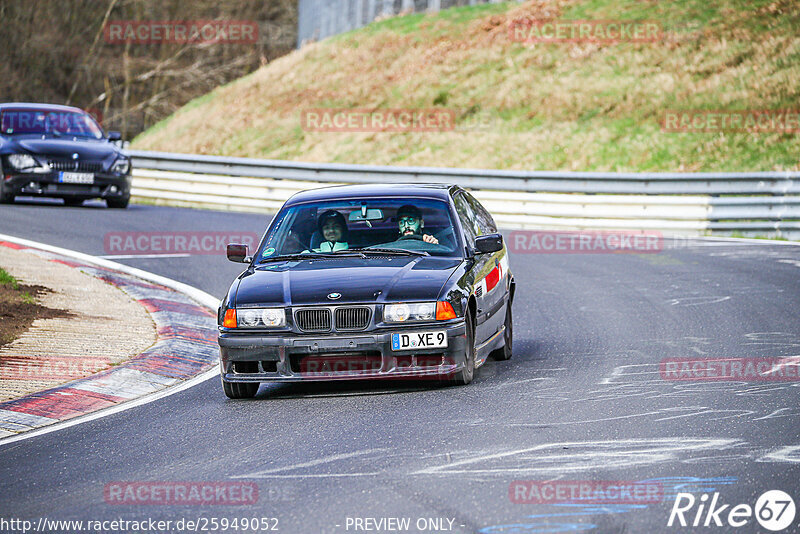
[(61, 152), (367, 282)]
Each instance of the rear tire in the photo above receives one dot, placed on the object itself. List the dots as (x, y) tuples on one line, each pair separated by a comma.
[(118, 203), (465, 375), (240, 390), (504, 352)]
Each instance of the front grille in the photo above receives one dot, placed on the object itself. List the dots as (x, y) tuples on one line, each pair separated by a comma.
[(352, 318), (313, 320), (78, 166)]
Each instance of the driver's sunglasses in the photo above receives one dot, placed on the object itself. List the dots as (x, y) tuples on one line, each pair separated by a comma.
[(408, 220)]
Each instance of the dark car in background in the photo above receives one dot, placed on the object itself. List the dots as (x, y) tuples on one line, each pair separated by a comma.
[(368, 282), (57, 151)]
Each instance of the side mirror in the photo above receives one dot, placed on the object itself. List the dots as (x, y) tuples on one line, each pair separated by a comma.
[(238, 253), (486, 244), (115, 136)]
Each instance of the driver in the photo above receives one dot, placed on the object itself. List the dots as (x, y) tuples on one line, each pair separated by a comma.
[(333, 229), (410, 223)]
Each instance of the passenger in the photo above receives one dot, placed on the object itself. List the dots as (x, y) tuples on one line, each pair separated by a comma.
[(410, 223), (333, 229)]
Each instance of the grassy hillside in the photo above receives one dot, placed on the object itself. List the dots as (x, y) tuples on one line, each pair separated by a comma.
[(565, 106)]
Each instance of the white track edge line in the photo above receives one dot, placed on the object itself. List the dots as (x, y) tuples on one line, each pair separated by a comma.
[(200, 296)]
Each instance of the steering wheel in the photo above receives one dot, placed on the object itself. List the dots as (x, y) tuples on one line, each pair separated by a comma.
[(411, 236)]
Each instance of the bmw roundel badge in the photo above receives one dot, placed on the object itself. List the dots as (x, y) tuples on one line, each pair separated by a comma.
[(334, 296)]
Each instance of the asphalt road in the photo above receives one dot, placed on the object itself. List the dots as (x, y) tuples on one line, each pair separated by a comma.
[(582, 399)]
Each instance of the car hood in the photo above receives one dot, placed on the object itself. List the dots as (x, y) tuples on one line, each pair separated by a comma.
[(374, 279), (65, 148)]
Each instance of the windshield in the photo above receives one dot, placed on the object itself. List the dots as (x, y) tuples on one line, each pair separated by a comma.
[(49, 122), (412, 225)]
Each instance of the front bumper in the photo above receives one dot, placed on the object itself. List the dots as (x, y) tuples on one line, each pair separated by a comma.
[(46, 185), (290, 357)]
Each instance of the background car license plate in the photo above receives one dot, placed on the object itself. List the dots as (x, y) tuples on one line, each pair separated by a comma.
[(66, 177), (419, 340)]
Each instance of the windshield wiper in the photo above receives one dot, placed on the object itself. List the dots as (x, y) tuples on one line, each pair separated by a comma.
[(395, 251), (311, 256)]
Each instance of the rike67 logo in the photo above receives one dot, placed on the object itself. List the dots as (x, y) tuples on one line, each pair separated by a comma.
[(774, 510)]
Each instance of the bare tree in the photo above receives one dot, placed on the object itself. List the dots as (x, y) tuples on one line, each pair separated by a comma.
[(59, 53)]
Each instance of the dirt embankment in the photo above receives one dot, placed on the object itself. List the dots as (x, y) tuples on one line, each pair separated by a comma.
[(58, 324)]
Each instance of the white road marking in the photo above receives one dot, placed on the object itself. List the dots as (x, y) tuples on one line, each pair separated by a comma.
[(619, 371), (272, 473), (697, 301), (780, 412), (784, 454), (590, 455), (317, 475)]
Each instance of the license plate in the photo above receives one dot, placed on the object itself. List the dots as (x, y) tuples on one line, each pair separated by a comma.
[(419, 340), (65, 177)]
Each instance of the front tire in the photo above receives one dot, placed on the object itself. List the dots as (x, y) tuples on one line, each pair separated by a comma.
[(5, 198), (465, 375), (240, 390), (118, 203)]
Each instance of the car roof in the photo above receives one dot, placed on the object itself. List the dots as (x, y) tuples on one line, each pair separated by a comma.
[(38, 107), (435, 191)]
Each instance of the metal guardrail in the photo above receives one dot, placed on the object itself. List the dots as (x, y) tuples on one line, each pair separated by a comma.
[(318, 19), (755, 203)]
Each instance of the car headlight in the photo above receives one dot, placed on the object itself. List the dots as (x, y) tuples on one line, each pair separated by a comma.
[(121, 166), (412, 311), (22, 161), (261, 317)]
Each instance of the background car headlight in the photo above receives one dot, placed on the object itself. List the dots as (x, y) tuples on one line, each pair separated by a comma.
[(412, 311), (22, 161), (121, 166), (261, 317)]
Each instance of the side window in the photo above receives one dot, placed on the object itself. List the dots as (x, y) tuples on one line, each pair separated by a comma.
[(485, 220), (468, 219)]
